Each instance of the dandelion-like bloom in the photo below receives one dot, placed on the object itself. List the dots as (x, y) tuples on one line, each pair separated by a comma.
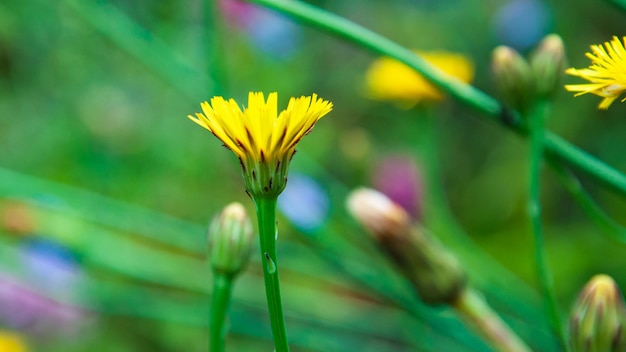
[(389, 79), (263, 140), (607, 72)]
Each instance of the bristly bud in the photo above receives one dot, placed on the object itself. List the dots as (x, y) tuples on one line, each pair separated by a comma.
[(514, 77), (548, 64), (435, 273), (378, 214), (231, 238), (598, 317)]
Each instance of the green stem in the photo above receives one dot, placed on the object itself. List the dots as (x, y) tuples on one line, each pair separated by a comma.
[(467, 94), (266, 215), (222, 285), (620, 4), (609, 177), (584, 200), (536, 117), (475, 311), (213, 46)]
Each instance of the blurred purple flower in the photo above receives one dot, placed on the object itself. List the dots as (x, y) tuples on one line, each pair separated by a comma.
[(398, 177), (47, 270), (24, 309), (304, 202), (237, 12), (522, 23), (271, 32)]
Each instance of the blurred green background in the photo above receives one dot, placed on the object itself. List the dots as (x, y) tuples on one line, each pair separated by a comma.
[(106, 187)]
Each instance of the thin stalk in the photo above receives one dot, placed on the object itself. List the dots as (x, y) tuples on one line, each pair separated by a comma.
[(620, 4), (475, 311), (536, 117), (266, 215), (213, 45), (222, 286), (572, 185), (345, 29)]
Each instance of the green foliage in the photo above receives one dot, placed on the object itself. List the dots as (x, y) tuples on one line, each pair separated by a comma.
[(96, 145)]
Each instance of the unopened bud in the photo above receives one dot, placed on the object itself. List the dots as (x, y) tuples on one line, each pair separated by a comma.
[(548, 64), (231, 238), (378, 214), (435, 273), (513, 77), (598, 317)]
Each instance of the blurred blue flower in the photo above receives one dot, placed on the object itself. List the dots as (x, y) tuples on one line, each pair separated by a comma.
[(274, 34), (271, 32), (521, 24), (304, 202), (50, 266)]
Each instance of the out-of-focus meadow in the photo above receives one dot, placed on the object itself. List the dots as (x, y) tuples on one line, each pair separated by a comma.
[(106, 188)]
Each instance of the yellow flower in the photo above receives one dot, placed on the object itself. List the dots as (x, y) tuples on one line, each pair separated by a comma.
[(263, 140), (607, 72), (12, 342), (389, 79)]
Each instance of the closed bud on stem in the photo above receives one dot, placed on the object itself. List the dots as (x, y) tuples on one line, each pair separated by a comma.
[(548, 64), (231, 238), (435, 273), (514, 77), (597, 321)]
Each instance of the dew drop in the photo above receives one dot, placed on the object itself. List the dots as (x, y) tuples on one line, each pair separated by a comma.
[(271, 266)]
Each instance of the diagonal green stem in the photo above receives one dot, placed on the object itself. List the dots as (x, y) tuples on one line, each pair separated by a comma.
[(341, 27), (113, 24), (586, 202), (620, 4), (536, 118), (222, 285), (475, 311), (364, 37), (266, 215)]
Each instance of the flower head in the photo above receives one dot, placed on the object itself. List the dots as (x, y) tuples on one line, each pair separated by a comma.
[(389, 79), (263, 140), (607, 72)]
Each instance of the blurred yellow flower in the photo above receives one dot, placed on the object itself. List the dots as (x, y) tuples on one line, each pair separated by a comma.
[(12, 342), (607, 72), (389, 79), (263, 140)]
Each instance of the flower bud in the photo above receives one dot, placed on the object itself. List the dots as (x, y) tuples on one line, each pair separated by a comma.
[(514, 77), (231, 239), (548, 64), (598, 317), (435, 273)]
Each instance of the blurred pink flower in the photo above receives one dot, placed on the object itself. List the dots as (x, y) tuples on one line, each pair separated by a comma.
[(398, 177)]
